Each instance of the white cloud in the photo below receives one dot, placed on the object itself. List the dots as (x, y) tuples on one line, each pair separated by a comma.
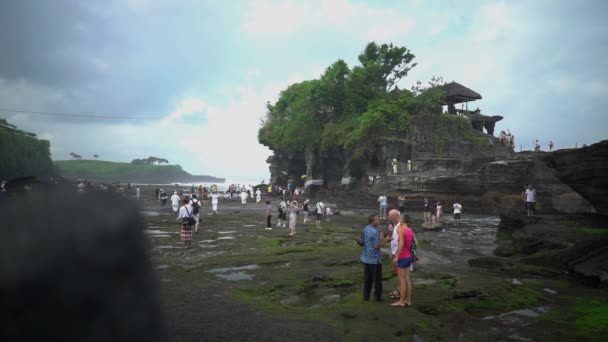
[(186, 107), (285, 18), (277, 17)]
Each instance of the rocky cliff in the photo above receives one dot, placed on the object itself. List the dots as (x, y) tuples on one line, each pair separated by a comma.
[(585, 170), (438, 144)]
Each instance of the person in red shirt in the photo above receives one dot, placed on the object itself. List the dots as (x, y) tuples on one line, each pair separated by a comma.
[(404, 259)]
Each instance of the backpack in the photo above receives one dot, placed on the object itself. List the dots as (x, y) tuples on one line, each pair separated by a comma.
[(414, 250), (188, 222), (195, 207)]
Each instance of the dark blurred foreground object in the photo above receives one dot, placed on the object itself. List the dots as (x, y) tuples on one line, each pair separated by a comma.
[(75, 267)]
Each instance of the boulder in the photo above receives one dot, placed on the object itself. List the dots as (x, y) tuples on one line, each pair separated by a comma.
[(432, 226)]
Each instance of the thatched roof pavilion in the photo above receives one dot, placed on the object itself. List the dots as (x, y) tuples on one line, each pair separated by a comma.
[(457, 93)]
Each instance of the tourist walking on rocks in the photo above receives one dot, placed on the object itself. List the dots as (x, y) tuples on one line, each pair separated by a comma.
[(319, 212), (530, 199), (305, 211), (427, 212), (268, 215), (175, 201), (163, 197), (205, 196), (196, 211), (433, 211), (438, 212), (244, 196), (137, 192), (403, 259), (551, 145), (394, 219), (258, 196), (457, 211), (372, 259), (293, 217), (401, 203), (383, 203), (282, 213), (185, 214), (215, 197)]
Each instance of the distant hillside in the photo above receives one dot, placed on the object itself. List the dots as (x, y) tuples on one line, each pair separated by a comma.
[(99, 170)]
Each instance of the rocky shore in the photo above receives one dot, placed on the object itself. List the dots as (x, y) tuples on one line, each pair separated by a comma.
[(538, 278)]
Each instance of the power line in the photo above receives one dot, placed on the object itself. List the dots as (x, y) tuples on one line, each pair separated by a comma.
[(80, 115)]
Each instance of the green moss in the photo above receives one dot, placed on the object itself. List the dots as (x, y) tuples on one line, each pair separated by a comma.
[(504, 234), (590, 317), (585, 228), (499, 300)]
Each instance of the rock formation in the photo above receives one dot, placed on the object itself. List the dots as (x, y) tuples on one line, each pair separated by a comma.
[(438, 144)]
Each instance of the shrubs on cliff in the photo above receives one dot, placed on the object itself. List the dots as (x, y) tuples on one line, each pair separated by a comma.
[(346, 109), (22, 154)]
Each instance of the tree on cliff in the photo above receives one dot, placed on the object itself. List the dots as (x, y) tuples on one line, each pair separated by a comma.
[(346, 109), (75, 156), (95, 156), (21, 153), (149, 161)]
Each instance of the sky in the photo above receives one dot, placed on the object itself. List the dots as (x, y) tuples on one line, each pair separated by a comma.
[(206, 69)]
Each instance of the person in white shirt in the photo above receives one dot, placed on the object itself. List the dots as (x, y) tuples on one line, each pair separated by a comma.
[(214, 200), (282, 213), (457, 211), (530, 199), (184, 213), (258, 196), (195, 204), (244, 197), (175, 201), (383, 202), (137, 192), (320, 212)]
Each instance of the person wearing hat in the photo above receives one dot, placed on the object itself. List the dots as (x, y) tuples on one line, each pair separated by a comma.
[(293, 217)]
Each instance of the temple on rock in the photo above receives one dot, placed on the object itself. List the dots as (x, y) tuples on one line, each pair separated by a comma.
[(456, 93), (435, 145)]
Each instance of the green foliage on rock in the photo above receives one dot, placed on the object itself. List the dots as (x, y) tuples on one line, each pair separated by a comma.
[(347, 108), (22, 154)]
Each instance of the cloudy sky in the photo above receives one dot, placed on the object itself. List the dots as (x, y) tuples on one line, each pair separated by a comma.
[(207, 68)]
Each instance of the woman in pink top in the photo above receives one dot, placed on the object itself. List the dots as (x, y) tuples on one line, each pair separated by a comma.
[(403, 259)]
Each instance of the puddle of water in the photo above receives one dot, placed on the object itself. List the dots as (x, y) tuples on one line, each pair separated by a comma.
[(249, 225), (153, 231), (228, 232), (149, 213), (161, 267), (236, 276), (226, 238), (230, 269), (206, 241), (531, 313), (167, 247)]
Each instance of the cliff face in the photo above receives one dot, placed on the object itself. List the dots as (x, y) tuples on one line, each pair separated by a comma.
[(585, 170), (439, 144), (560, 182)]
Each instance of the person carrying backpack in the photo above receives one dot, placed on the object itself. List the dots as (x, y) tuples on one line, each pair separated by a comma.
[(185, 215), (196, 210)]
